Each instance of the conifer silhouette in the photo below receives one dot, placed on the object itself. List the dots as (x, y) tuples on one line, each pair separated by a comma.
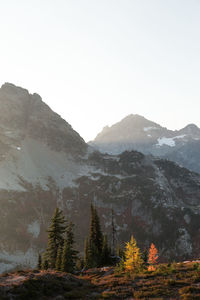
[(55, 236)]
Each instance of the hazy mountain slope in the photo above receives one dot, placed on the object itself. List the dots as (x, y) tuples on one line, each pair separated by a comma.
[(44, 163), (23, 115), (137, 133), (187, 155)]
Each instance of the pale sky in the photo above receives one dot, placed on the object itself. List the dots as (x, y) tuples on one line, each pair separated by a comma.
[(96, 61)]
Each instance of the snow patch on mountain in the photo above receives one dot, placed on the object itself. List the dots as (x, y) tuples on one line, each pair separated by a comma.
[(149, 128), (179, 136), (34, 228), (169, 141), (166, 141)]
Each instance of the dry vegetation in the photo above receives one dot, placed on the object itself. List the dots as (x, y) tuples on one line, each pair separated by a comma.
[(172, 281)]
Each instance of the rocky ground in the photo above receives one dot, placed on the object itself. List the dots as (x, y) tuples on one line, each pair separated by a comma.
[(172, 281)]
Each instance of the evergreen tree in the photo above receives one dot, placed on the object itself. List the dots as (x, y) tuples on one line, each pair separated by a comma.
[(39, 265), (96, 236), (145, 256), (87, 254), (95, 239), (59, 258), (113, 232), (106, 253), (79, 264), (55, 237), (69, 255), (65, 257), (45, 264)]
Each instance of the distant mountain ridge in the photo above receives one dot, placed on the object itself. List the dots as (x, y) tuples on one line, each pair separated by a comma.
[(137, 133)]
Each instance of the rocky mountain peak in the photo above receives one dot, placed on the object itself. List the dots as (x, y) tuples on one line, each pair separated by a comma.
[(132, 126), (24, 115), (134, 132), (191, 129), (136, 122)]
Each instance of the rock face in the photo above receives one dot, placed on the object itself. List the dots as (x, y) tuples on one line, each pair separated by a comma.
[(137, 133), (44, 163)]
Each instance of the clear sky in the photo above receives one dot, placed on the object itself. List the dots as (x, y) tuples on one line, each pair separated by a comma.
[(96, 61)]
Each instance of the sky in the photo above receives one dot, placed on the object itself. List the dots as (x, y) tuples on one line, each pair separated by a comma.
[(96, 61)]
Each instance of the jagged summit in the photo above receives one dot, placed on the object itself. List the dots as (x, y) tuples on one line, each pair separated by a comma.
[(135, 117), (134, 132), (29, 117), (191, 129), (131, 127), (139, 122), (12, 88), (22, 93)]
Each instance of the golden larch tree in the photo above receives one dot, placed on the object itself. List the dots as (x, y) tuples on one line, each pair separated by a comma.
[(133, 260)]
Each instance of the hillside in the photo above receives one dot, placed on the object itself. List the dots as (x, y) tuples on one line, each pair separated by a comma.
[(137, 133), (45, 163), (172, 281)]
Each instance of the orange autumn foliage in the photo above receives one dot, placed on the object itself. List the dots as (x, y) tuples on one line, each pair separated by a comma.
[(153, 255), (133, 260), (151, 268)]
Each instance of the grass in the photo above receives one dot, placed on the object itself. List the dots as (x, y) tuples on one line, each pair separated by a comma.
[(172, 281)]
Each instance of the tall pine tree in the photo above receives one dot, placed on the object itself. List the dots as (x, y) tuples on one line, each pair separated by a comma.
[(95, 242), (59, 258), (113, 232), (106, 253), (87, 254), (55, 237), (96, 236), (39, 265), (69, 255), (44, 265)]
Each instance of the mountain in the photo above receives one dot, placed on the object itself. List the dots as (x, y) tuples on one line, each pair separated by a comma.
[(137, 133), (44, 163)]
